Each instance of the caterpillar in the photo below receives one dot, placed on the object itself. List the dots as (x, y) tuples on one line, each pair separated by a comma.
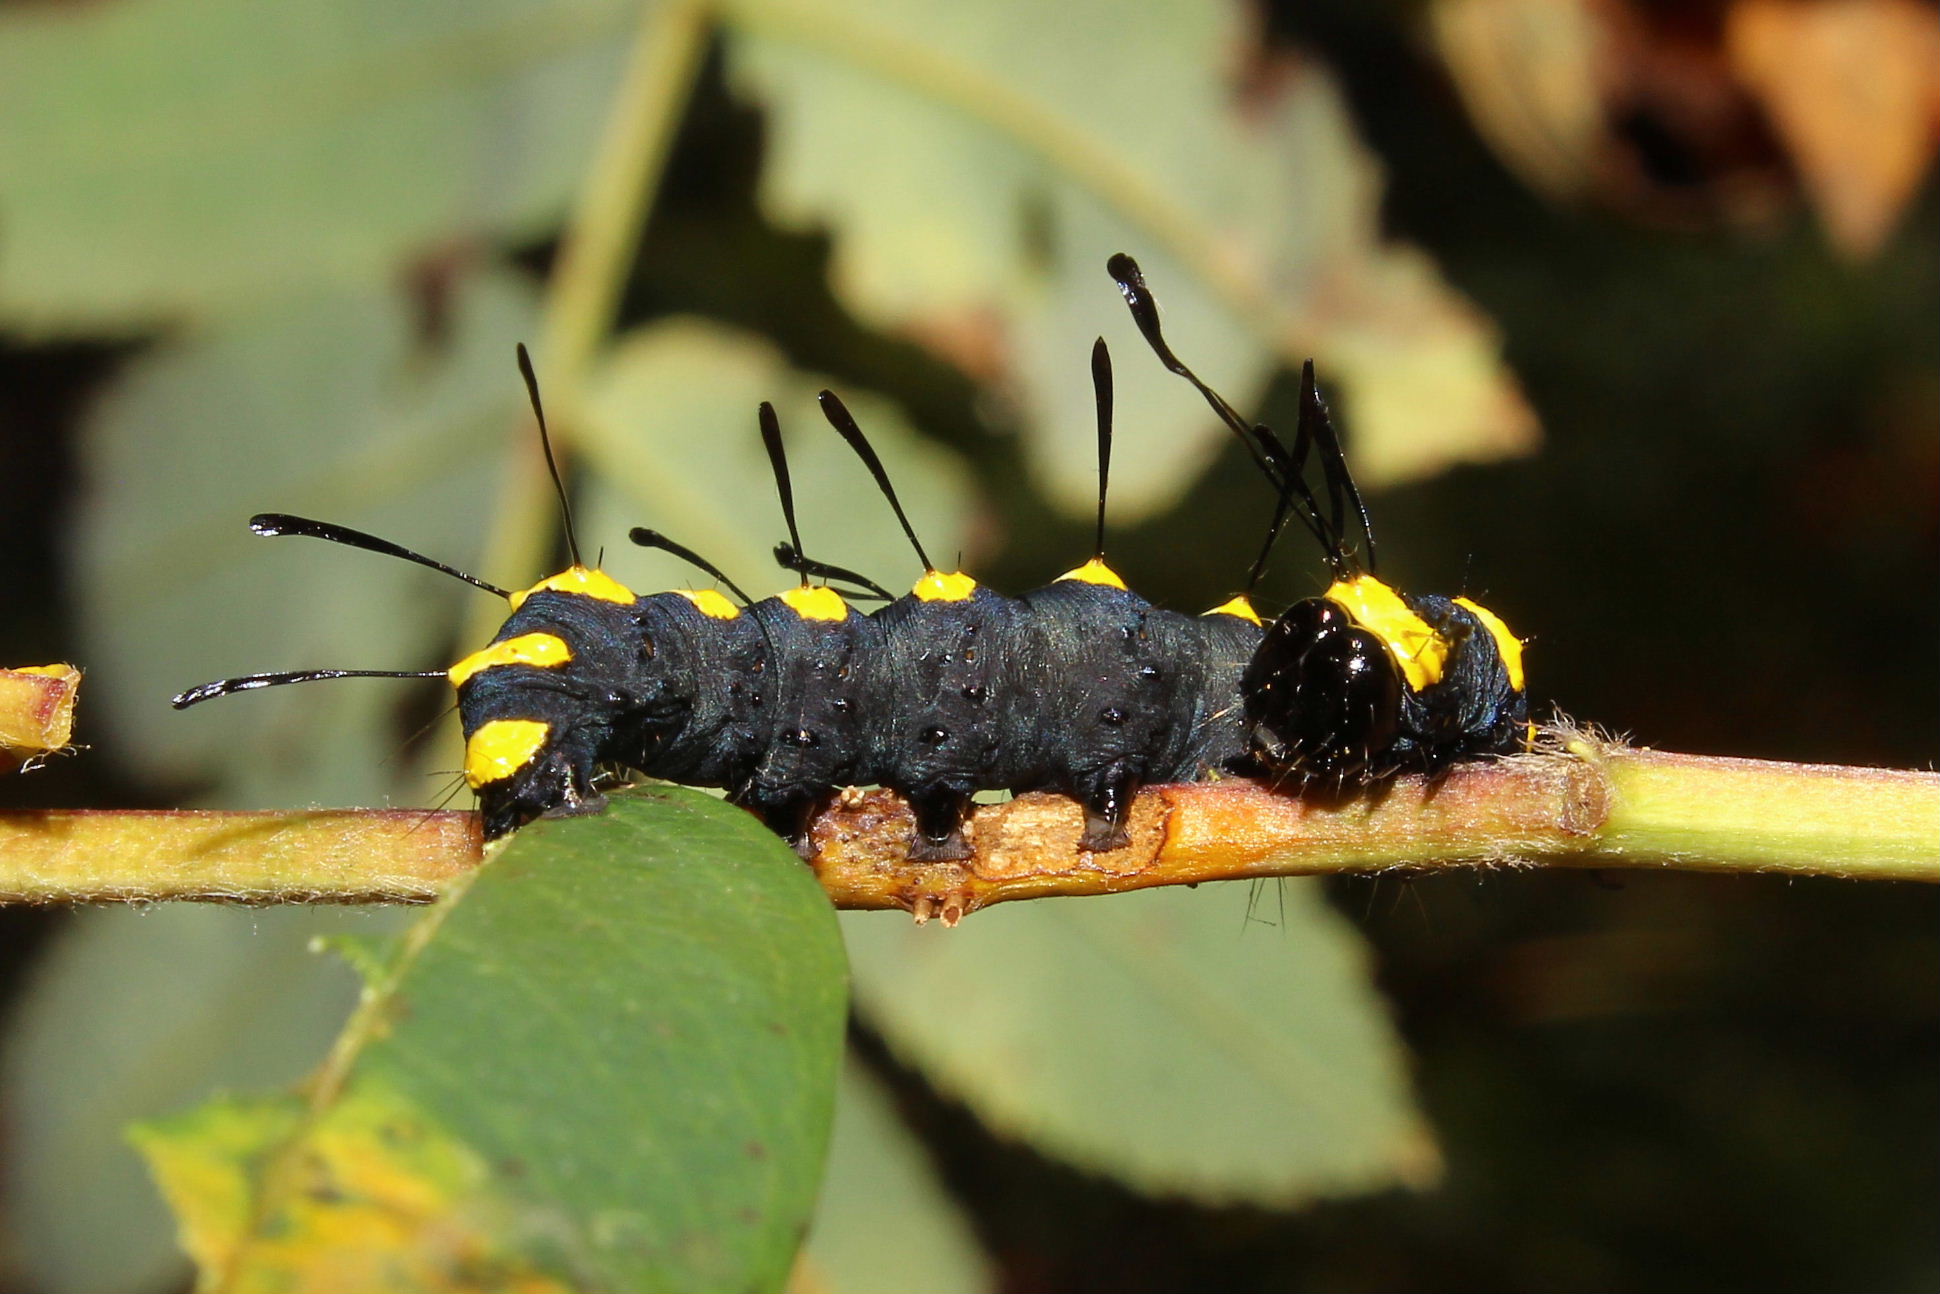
[(1080, 687)]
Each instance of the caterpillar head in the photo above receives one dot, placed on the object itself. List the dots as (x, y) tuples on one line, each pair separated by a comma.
[(1323, 696), (1364, 682), (570, 680)]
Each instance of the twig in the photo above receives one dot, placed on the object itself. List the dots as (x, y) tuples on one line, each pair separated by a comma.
[(600, 243), (1590, 804), (155, 855), (1593, 806)]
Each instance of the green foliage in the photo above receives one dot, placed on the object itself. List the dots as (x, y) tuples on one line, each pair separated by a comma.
[(885, 1224), (1252, 1059), (325, 404), (974, 161), (669, 429), (173, 157), (608, 1062), (322, 204)]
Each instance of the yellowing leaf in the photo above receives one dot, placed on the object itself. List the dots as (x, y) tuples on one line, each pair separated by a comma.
[(1854, 89), (381, 1198), (209, 1163), (605, 1061)]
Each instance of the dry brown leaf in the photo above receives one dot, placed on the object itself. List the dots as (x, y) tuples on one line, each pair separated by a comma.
[(1527, 72), (1729, 111), (36, 711), (1853, 88)]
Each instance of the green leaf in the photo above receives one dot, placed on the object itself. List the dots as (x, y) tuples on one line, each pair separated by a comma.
[(171, 157), (607, 1063), (976, 164), (885, 1224), (1164, 1037), (669, 425)]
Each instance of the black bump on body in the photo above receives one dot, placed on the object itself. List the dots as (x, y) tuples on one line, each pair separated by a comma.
[(936, 738), (818, 735), (1082, 718)]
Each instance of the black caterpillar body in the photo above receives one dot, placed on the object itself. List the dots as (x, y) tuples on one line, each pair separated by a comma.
[(1080, 687)]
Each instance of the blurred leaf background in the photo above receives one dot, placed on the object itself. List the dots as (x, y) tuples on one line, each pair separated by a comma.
[(1629, 311)]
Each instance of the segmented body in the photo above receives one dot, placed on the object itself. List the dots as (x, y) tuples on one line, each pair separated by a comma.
[(1081, 687)]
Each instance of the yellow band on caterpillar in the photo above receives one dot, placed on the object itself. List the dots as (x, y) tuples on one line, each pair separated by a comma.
[(940, 586), (1094, 572), (501, 748), (580, 580), (816, 603), (1239, 607), (543, 650), (710, 603), (1418, 649), (1506, 643)]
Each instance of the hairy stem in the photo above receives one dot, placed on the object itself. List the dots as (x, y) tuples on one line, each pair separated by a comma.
[(1588, 805), (152, 855)]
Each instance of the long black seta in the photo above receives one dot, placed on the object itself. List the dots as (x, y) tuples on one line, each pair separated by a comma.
[(1080, 687)]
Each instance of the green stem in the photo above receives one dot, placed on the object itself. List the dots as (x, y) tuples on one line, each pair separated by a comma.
[(1704, 814), (1586, 804), (603, 239), (600, 245)]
